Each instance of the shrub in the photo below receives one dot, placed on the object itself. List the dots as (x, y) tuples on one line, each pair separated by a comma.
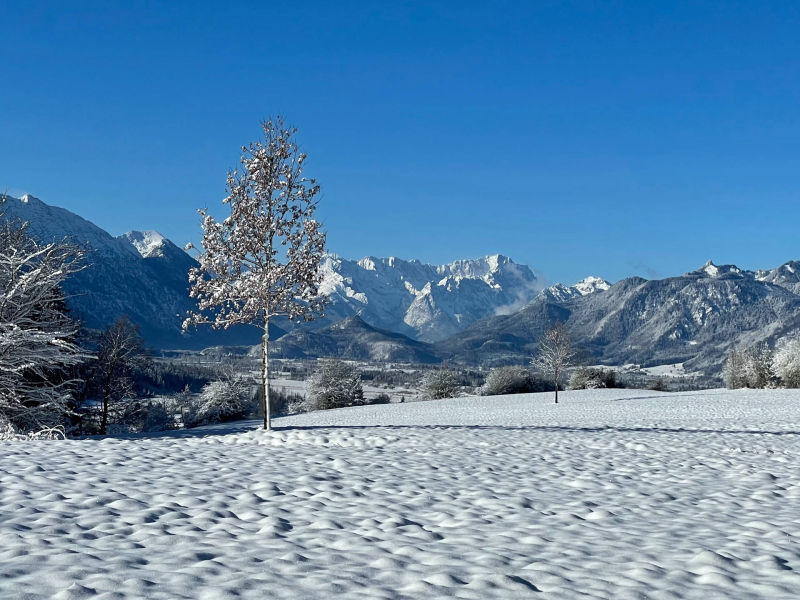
[(159, 416), (335, 384), (228, 399), (441, 383), (380, 399), (10, 433), (512, 380), (590, 378)]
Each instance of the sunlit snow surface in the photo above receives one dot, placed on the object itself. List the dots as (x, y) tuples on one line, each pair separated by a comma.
[(610, 494)]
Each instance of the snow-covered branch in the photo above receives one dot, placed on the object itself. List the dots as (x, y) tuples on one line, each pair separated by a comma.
[(37, 338)]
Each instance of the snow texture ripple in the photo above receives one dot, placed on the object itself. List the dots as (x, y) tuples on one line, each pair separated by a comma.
[(610, 494)]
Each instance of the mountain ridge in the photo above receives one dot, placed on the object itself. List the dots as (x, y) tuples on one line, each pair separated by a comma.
[(488, 310), (144, 275)]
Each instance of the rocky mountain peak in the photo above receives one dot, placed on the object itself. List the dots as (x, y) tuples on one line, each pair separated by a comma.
[(147, 243), (709, 269)]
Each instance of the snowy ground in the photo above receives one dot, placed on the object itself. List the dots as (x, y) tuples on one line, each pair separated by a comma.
[(610, 494)]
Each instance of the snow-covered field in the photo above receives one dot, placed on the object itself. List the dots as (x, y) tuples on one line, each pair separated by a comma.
[(610, 494)]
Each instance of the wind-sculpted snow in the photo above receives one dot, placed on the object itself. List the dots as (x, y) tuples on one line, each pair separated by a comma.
[(610, 494)]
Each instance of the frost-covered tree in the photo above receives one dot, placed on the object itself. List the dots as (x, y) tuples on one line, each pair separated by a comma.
[(752, 368), (734, 371), (787, 363), (555, 354), (440, 383), (759, 367), (263, 260), (226, 399), (37, 337), (334, 384)]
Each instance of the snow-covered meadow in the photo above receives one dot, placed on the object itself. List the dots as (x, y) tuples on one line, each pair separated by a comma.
[(610, 494)]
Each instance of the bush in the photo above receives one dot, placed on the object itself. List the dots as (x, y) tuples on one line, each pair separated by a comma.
[(159, 416), (10, 433), (513, 380), (335, 384), (441, 383), (590, 378), (380, 399), (657, 385), (228, 399)]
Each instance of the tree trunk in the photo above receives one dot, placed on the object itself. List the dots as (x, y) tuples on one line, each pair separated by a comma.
[(106, 399), (265, 374), (555, 380)]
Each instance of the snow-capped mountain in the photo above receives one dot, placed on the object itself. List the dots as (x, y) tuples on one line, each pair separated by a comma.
[(693, 319), (486, 310), (787, 276), (562, 293), (148, 243), (139, 274), (425, 302), (144, 275)]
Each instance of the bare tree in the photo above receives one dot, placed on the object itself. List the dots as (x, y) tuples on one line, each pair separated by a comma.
[(120, 351), (263, 260), (555, 354), (37, 338)]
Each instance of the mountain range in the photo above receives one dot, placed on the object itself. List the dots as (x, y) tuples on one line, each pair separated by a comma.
[(489, 310), (692, 319), (425, 302), (144, 275)]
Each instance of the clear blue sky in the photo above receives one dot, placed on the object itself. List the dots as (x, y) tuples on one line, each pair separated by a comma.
[(608, 138)]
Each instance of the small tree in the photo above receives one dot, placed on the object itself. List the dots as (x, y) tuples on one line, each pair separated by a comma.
[(787, 363), (734, 371), (37, 338), (440, 383), (752, 368), (120, 352), (334, 384), (555, 354), (759, 367), (263, 260)]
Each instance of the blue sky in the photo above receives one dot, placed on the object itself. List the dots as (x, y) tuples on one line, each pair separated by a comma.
[(607, 138)]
